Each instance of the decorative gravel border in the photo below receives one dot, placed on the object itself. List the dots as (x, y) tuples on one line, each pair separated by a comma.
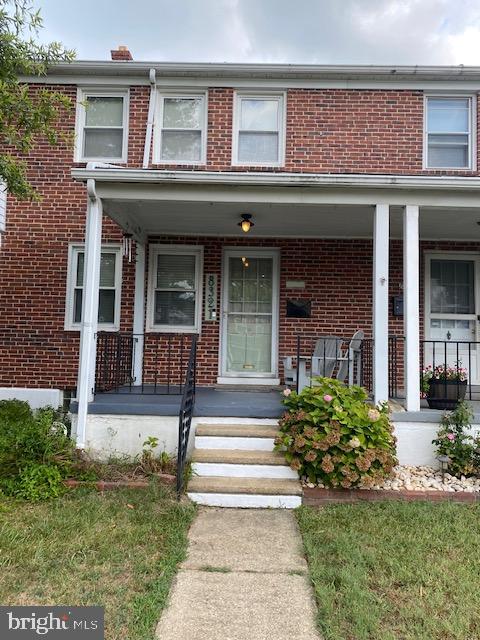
[(105, 485), (318, 497)]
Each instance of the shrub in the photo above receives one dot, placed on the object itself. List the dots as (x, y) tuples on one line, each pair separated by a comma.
[(331, 434), (461, 448), (35, 450)]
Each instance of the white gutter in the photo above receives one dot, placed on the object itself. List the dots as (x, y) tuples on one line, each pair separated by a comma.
[(150, 176), (251, 70), (151, 114)]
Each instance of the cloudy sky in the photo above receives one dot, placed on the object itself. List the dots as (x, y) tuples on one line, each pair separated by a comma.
[(309, 31)]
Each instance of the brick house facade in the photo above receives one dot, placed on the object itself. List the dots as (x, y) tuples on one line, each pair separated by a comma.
[(348, 141)]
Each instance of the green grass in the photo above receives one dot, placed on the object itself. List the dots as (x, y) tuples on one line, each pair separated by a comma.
[(119, 550), (395, 571)]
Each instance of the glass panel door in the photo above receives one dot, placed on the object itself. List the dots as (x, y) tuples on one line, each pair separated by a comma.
[(452, 323), (248, 314)]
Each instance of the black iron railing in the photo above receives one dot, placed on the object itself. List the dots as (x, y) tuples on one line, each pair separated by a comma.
[(349, 360), (164, 362), (459, 356), (185, 415)]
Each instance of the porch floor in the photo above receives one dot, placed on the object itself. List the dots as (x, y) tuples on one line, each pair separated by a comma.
[(212, 402), (209, 402)]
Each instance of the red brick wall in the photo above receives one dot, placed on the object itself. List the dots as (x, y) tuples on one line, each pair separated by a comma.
[(34, 348), (327, 131), (333, 131), (338, 281)]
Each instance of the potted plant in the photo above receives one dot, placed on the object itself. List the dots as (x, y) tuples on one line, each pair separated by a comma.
[(444, 386)]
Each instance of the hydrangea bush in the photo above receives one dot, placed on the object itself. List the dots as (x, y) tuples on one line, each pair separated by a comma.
[(331, 434)]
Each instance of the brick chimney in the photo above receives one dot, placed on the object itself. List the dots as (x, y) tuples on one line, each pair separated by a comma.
[(122, 53)]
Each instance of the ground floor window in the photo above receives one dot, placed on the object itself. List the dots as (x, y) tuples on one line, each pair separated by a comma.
[(109, 290), (174, 292)]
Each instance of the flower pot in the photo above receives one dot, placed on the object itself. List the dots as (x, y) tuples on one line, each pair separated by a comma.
[(446, 394)]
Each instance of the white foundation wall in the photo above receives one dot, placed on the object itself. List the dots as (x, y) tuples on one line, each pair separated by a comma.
[(36, 398), (414, 442), (124, 435)]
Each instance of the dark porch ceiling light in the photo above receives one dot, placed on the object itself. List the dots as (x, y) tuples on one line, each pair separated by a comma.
[(246, 222)]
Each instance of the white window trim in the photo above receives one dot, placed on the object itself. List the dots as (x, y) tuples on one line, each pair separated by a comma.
[(82, 94), (281, 97), (158, 129), (472, 138), (176, 249), (73, 250)]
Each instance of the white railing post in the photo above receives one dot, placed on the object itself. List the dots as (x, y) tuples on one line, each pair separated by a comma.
[(411, 307), (381, 235), (139, 312), (88, 334)]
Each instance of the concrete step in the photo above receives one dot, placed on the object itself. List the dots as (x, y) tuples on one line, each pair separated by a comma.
[(253, 486), (221, 456), (236, 430), (221, 442), (248, 493)]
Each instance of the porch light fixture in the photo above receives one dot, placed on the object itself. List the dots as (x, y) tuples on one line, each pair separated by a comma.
[(246, 222)]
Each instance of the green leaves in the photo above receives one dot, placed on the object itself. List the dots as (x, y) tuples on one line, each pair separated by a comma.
[(26, 115), (331, 434), (34, 450)]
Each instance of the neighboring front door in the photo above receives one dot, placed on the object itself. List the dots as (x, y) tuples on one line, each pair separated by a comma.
[(249, 314), (452, 312)]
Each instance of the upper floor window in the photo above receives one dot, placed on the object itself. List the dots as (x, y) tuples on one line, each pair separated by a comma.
[(175, 288), (449, 125), (102, 126), (181, 129), (109, 287), (259, 130)]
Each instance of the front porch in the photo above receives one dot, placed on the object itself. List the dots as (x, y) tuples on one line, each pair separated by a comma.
[(329, 257)]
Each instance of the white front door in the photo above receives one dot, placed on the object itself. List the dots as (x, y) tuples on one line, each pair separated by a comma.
[(452, 312), (249, 314)]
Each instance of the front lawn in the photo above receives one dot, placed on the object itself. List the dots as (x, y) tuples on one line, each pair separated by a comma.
[(395, 571), (119, 550)]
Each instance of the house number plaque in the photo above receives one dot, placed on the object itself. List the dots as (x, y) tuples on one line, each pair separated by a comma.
[(211, 296)]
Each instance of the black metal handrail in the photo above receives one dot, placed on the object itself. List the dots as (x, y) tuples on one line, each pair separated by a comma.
[(185, 415), (163, 364), (454, 354)]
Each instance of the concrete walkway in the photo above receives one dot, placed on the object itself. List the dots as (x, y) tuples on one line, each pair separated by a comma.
[(245, 578)]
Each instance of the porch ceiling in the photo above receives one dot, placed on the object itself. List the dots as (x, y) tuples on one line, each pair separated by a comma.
[(169, 217)]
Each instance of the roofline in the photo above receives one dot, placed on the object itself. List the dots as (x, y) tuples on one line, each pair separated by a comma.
[(267, 71), (114, 174)]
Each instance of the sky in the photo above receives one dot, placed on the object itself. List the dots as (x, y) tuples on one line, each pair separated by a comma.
[(390, 32)]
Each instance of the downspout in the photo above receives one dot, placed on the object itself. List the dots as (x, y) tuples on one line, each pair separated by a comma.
[(151, 115)]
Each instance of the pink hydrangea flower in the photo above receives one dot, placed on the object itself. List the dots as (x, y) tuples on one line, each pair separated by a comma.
[(327, 398), (451, 436), (373, 415), (287, 392)]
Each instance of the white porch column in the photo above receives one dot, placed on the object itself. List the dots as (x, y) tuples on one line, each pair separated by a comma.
[(381, 237), (91, 278), (139, 311), (411, 307)]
